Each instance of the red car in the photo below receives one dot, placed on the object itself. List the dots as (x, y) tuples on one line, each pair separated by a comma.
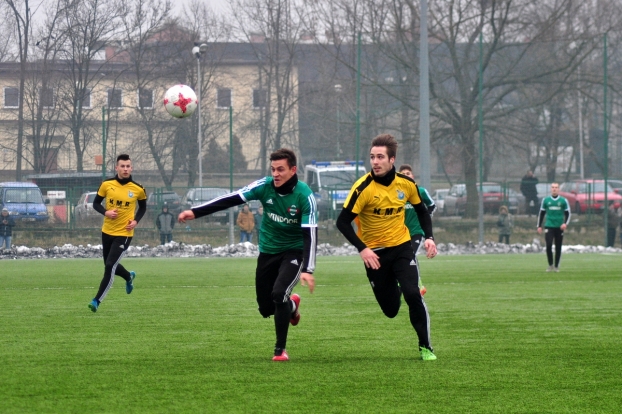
[(584, 195)]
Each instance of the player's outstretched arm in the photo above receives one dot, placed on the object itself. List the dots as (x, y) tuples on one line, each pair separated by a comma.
[(185, 215), (307, 279)]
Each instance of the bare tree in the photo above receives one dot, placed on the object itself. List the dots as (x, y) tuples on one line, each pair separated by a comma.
[(84, 30), (514, 45), (22, 16), (8, 51), (152, 48), (203, 26), (273, 28)]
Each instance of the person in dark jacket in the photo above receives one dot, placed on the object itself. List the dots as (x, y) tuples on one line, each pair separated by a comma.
[(165, 223), (6, 228), (613, 221), (530, 191)]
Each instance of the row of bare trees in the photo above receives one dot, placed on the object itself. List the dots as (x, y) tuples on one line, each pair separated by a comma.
[(530, 65), (67, 48), (532, 69)]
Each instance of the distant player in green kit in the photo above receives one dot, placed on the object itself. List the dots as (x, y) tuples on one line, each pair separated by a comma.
[(412, 220), (287, 242), (557, 212)]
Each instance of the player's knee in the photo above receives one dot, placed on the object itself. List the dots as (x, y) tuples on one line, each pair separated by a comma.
[(391, 313), (266, 309), (391, 310)]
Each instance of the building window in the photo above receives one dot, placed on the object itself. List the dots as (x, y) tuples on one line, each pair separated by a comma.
[(11, 97), (115, 98), (259, 98), (7, 156), (46, 97), (145, 98), (224, 98), (85, 100)]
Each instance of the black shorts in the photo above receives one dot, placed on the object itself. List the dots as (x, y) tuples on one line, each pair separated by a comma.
[(275, 278), (398, 274)]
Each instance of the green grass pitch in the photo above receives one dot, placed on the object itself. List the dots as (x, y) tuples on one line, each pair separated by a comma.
[(509, 338)]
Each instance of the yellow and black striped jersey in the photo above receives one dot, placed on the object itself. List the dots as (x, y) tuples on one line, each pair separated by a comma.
[(381, 208), (123, 197)]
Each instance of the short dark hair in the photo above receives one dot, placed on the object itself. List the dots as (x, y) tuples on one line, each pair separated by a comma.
[(388, 141), (123, 157), (284, 154), (405, 167)]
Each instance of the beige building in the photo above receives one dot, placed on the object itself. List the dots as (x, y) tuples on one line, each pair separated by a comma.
[(129, 107)]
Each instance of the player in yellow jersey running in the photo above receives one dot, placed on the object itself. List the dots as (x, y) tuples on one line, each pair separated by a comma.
[(122, 194), (378, 199)]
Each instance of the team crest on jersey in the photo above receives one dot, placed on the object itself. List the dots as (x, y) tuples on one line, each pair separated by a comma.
[(130, 194), (400, 195), (293, 210)]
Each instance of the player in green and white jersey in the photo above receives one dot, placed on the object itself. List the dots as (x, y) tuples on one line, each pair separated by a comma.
[(287, 242), (557, 212), (412, 220)]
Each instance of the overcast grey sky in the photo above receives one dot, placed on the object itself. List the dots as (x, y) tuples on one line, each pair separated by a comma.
[(216, 5)]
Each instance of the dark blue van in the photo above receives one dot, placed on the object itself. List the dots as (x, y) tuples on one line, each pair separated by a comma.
[(24, 201)]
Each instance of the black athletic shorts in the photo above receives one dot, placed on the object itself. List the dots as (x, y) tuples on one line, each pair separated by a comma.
[(275, 278)]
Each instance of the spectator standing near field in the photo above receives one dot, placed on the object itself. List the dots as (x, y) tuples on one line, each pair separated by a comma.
[(412, 220), (288, 243), (505, 224), (6, 228), (379, 199), (613, 221), (122, 195), (165, 222), (530, 191), (246, 223), (556, 211)]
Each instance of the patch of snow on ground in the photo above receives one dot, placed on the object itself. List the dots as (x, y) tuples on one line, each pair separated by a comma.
[(246, 249)]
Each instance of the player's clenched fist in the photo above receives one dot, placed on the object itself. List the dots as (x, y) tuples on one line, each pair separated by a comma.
[(185, 215)]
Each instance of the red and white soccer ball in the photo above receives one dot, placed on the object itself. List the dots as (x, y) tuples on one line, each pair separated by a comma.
[(180, 101)]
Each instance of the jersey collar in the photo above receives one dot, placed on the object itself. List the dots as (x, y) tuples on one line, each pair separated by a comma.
[(386, 179), (287, 186), (122, 181)]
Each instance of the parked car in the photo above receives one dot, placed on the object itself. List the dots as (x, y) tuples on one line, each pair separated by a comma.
[(83, 210), (455, 200), (156, 200), (494, 196), (439, 199), (24, 202), (616, 185), (515, 201), (544, 190), (198, 196), (587, 195)]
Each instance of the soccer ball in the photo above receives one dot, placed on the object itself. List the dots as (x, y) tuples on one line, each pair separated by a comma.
[(180, 101)]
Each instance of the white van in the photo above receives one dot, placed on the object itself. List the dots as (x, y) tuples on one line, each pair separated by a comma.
[(330, 182)]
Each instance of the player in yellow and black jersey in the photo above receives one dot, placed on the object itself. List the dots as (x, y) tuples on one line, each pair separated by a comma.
[(121, 195), (378, 200)]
